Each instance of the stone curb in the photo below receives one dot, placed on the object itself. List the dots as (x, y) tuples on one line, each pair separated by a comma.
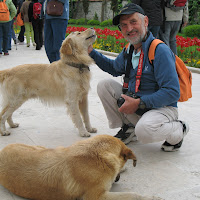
[(192, 69)]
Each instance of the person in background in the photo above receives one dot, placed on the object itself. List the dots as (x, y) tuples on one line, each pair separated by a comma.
[(55, 31), (12, 33), (22, 28), (154, 10), (5, 28), (153, 115), (28, 25), (37, 23), (171, 25)]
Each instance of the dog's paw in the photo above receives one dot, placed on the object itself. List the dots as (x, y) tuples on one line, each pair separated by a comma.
[(5, 133), (14, 125), (84, 134), (92, 130)]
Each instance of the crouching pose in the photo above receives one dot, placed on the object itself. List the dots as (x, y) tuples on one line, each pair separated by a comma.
[(152, 115)]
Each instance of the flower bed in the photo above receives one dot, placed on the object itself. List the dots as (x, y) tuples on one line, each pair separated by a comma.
[(113, 41)]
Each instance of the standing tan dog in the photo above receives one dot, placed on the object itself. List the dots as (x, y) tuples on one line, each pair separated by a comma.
[(66, 81), (85, 170)]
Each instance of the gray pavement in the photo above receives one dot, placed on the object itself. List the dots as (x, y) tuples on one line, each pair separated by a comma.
[(171, 176)]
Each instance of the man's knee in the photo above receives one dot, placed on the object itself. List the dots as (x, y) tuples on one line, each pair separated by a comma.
[(144, 132), (102, 86)]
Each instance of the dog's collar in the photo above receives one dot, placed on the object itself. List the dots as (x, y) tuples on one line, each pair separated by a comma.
[(81, 67)]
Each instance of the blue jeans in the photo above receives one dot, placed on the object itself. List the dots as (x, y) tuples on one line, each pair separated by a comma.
[(54, 34), (4, 36), (169, 35), (154, 30), (11, 35)]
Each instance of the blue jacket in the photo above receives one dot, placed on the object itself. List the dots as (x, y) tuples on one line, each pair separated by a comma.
[(159, 84)]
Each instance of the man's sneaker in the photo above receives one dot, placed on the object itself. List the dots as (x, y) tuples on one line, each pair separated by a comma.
[(126, 134), (168, 147)]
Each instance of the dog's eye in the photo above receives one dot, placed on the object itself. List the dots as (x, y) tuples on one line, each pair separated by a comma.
[(78, 33)]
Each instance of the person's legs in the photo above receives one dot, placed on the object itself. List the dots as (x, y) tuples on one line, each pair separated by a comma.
[(10, 35), (41, 32), (1, 37), (27, 32), (172, 40), (160, 125), (32, 34), (21, 34), (154, 30), (109, 92), (6, 30), (164, 35), (54, 34)]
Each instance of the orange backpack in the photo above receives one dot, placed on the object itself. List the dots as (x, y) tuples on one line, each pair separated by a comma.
[(19, 20), (184, 75), (4, 11)]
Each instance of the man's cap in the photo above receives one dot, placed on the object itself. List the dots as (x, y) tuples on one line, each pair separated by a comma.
[(130, 8)]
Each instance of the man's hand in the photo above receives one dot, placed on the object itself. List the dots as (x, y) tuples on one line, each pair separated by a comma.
[(90, 48), (130, 105)]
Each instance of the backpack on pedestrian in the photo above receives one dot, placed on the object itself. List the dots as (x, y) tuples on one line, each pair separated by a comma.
[(4, 11), (175, 5), (184, 74), (37, 10)]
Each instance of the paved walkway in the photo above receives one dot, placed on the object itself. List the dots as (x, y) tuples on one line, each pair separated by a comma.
[(172, 176)]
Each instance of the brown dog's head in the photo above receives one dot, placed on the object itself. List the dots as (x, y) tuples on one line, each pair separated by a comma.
[(76, 44)]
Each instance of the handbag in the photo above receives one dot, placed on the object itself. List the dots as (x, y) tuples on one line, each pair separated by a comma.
[(55, 8), (19, 20)]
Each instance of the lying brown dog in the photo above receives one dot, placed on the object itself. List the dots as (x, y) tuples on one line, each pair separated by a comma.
[(64, 82), (85, 170)]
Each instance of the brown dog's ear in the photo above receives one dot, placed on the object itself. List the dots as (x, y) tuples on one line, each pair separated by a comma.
[(128, 154), (66, 48)]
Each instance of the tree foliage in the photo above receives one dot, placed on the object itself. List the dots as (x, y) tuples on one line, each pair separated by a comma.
[(85, 7)]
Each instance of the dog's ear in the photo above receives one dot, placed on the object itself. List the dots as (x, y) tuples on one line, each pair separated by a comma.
[(66, 48), (128, 154)]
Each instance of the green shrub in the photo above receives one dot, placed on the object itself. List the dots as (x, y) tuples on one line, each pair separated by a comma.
[(106, 23), (81, 21), (72, 21), (96, 16), (192, 31), (93, 22)]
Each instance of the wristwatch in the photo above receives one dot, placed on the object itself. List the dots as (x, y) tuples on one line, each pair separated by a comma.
[(141, 105)]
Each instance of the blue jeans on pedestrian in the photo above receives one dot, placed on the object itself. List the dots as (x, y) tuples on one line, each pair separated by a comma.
[(54, 34), (4, 36), (168, 35), (154, 30), (11, 35)]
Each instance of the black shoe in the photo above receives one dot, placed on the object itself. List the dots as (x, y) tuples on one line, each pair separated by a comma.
[(169, 147), (126, 134)]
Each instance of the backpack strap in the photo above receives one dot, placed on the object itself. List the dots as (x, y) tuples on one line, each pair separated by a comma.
[(152, 49)]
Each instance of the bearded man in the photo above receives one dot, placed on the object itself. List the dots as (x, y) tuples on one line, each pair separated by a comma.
[(148, 110)]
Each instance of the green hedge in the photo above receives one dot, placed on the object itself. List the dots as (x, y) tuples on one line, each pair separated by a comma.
[(106, 23), (93, 22), (82, 21), (192, 31)]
